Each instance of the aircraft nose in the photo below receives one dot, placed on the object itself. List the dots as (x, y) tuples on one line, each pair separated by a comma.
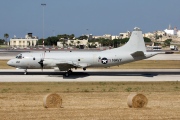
[(10, 62)]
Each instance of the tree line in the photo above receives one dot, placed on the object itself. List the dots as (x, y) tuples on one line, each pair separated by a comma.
[(91, 43), (113, 43)]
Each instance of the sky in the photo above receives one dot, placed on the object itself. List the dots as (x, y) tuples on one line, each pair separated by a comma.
[(97, 17)]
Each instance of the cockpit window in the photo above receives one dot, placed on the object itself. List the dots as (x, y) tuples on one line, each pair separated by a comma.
[(19, 56)]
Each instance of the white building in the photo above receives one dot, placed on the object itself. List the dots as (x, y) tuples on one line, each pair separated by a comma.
[(28, 41), (73, 43), (170, 32), (114, 37), (124, 35), (105, 36), (178, 34), (148, 35)]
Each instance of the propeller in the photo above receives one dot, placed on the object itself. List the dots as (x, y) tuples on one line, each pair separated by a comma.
[(41, 63)]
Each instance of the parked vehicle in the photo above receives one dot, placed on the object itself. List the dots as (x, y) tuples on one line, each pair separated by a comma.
[(173, 47)]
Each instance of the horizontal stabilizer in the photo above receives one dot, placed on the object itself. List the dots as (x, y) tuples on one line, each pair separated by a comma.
[(138, 54)]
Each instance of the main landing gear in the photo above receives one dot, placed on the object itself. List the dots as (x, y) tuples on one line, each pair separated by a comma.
[(25, 72), (68, 73)]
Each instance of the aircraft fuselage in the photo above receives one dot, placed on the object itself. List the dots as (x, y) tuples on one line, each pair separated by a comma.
[(88, 59)]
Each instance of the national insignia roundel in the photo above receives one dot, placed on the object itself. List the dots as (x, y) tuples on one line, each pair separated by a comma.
[(104, 60)]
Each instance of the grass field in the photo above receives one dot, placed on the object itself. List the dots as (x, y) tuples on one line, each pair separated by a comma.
[(71, 87), (91, 100)]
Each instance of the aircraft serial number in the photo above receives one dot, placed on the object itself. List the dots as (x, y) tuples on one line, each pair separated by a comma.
[(17, 61)]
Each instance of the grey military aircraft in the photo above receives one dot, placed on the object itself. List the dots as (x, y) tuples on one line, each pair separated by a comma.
[(133, 50)]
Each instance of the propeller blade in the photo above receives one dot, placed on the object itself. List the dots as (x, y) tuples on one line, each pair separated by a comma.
[(41, 63)]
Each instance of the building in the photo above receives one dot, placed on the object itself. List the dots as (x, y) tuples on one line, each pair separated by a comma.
[(72, 43), (178, 34), (160, 33), (90, 36), (124, 35), (105, 36), (114, 37), (28, 41), (148, 35), (170, 31)]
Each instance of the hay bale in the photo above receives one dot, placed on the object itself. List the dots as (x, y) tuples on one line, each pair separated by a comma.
[(52, 100), (135, 100)]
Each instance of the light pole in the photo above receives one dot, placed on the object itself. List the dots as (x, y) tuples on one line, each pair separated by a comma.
[(43, 5), (87, 34)]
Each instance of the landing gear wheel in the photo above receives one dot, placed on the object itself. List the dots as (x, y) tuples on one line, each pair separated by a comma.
[(66, 74), (25, 72)]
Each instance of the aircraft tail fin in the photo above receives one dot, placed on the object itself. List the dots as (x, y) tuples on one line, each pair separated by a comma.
[(135, 43)]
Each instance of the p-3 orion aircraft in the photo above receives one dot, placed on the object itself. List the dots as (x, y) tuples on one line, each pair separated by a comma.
[(133, 50)]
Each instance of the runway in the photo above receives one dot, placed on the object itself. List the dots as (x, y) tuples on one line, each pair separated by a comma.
[(92, 75)]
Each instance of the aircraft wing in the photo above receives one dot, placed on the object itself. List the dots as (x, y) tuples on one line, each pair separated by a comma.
[(64, 66)]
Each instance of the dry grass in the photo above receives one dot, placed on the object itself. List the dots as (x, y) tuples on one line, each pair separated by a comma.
[(51, 87), (25, 101), (3, 65)]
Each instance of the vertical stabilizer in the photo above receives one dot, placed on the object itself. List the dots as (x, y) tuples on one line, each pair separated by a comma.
[(135, 43)]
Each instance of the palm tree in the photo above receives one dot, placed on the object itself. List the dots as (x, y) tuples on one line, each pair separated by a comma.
[(6, 36)]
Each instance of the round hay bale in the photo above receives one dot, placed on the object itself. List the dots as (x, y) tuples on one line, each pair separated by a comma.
[(52, 100), (135, 100)]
